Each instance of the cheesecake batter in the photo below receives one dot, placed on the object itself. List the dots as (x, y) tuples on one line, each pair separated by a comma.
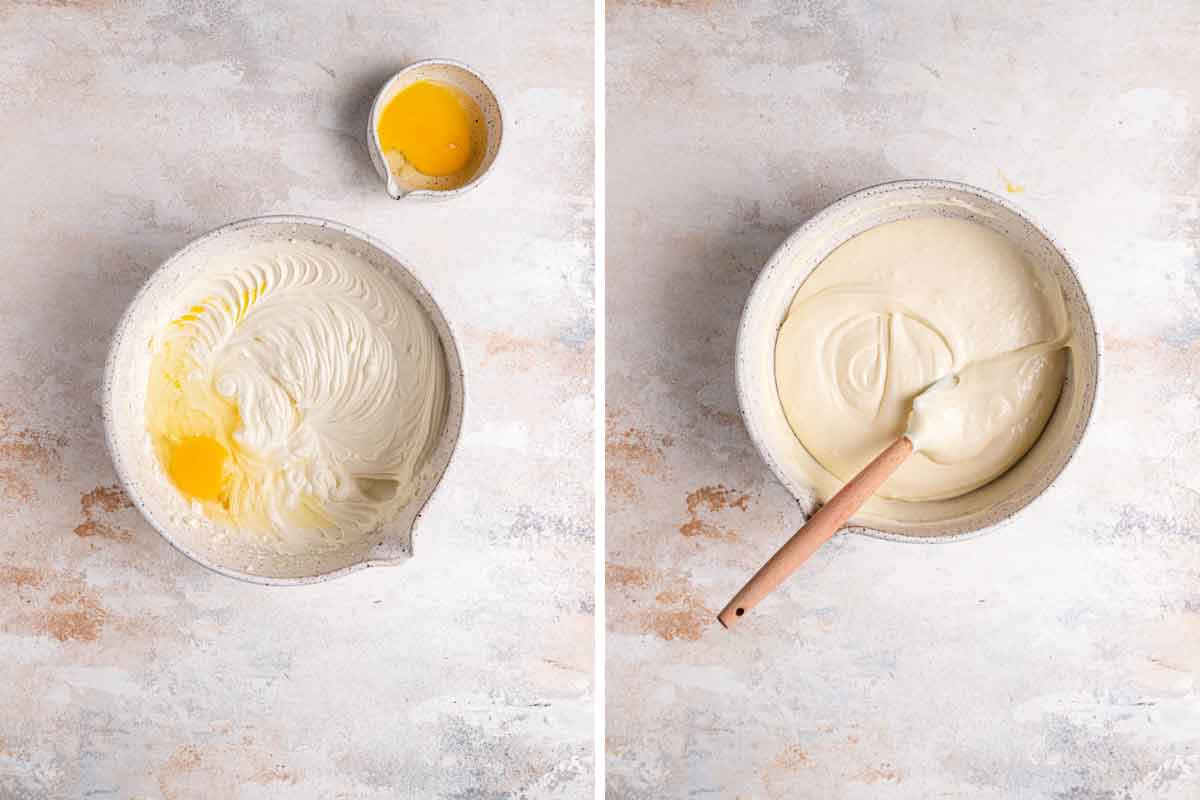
[(298, 396), (898, 307)]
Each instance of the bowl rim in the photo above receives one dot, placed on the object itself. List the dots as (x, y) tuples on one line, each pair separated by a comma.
[(373, 130), (774, 262), (453, 433)]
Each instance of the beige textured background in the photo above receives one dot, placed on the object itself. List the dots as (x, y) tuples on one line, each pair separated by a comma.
[(128, 128), (1058, 658)]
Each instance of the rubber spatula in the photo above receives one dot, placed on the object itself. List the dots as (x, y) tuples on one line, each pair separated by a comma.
[(830, 517)]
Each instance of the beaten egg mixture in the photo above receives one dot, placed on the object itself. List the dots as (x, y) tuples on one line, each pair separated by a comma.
[(432, 135)]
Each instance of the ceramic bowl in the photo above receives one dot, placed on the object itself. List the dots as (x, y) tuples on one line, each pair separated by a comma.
[(464, 79), (767, 306), (124, 392)]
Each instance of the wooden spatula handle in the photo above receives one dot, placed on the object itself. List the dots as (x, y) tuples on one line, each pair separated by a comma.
[(817, 530)]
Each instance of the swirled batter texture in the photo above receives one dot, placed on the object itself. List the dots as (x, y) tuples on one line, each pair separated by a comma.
[(897, 307), (298, 396)]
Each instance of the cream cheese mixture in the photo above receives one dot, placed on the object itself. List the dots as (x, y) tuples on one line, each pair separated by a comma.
[(898, 307), (297, 395)]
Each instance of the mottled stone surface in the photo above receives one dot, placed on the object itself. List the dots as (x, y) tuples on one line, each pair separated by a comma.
[(1059, 658), (126, 129)]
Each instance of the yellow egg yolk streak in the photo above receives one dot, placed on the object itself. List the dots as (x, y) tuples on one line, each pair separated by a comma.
[(191, 426), (436, 130), (197, 467)]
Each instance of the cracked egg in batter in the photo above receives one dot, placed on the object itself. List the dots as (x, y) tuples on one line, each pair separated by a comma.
[(297, 396)]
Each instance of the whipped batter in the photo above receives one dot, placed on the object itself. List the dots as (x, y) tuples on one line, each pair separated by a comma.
[(893, 310), (298, 396)]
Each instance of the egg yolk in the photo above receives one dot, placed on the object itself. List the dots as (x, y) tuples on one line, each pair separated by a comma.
[(190, 424), (197, 467), (430, 124)]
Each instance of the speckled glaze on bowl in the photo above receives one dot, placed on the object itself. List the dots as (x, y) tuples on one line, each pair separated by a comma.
[(987, 507), (463, 78), (123, 393)]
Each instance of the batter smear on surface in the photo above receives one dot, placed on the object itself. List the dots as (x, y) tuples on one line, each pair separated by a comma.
[(896, 308), (298, 396)]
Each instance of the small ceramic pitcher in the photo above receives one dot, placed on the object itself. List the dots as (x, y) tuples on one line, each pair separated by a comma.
[(460, 77)]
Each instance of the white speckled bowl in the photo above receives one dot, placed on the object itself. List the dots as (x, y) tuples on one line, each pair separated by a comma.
[(124, 391), (766, 308), (463, 78)]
